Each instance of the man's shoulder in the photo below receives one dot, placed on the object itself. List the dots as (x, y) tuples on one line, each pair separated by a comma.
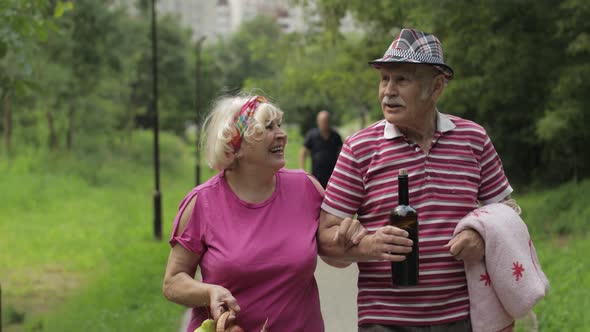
[(336, 134), (370, 133), (464, 125), (313, 132), (310, 138)]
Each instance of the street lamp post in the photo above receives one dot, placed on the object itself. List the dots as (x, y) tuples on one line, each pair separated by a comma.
[(0, 308), (198, 97), (157, 194)]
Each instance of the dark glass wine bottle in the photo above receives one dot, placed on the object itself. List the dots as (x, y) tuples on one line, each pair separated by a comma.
[(405, 217)]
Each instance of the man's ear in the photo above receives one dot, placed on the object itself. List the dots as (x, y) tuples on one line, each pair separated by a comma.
[(438, 85)]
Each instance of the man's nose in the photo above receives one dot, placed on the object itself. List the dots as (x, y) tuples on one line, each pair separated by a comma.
[(391, 89)]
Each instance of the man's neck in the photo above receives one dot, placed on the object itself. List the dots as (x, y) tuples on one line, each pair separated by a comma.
[(421, 131)]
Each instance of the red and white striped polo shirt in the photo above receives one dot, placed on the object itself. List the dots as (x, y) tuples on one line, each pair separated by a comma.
[(461, 171)]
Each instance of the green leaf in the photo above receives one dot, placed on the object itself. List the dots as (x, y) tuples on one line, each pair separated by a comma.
[(21, 88), (59, 9), (41, 33)]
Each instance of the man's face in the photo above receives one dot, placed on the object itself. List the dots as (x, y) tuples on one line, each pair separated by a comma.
[(323, 121), (403, 93)]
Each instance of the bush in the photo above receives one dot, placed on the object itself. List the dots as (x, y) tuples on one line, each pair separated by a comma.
[(103, 160), (562, 211)]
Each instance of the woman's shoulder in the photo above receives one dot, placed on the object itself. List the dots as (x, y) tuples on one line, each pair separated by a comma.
[(301, 179), (203, 189), (211, 184), (291, 172), (293, 175)]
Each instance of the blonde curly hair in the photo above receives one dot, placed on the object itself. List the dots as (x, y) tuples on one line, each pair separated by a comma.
[(219, 128)]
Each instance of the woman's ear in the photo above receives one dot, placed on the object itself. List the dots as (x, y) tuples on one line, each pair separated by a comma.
[(238, 155)]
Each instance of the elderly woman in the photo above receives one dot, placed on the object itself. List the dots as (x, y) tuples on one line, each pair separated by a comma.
[(251, 228)]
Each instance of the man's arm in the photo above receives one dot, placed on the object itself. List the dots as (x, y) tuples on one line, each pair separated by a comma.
[(350, 232), (469, 245), (302, 155), (494, 188), (511, 202), (387, 243)]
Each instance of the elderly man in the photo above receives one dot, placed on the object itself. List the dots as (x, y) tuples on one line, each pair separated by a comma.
[(453, 168), (323, 144)]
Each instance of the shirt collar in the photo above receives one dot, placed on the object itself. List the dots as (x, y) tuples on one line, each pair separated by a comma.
[(443, 124)]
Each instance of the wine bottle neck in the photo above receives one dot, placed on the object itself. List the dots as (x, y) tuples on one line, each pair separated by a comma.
[(403, 190)]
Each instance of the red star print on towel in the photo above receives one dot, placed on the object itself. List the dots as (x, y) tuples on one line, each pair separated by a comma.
[(517, 270), (477, 213), (485, 278)]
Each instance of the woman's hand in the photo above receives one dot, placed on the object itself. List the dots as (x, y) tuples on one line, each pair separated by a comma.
[(220, 301), (350, 233)]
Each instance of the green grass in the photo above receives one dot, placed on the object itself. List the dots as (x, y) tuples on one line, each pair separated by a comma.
[(77, 251), (558, 221), (567, 266), (76, 233), (76, 236)]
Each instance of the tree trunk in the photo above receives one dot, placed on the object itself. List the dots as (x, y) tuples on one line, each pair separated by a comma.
[(52, 133), (70, 130), (6, 122)]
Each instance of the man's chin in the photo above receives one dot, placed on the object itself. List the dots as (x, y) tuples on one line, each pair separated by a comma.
[(393, 114)]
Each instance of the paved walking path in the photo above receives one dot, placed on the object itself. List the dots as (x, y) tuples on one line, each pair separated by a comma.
[(338, 297)]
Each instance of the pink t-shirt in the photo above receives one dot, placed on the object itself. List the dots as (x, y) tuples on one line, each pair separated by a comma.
[(265, 254)]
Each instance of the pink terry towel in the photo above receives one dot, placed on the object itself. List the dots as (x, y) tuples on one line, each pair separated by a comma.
[(508, 283)]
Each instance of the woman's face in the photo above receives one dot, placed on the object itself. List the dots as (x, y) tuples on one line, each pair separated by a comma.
[(268, 152)]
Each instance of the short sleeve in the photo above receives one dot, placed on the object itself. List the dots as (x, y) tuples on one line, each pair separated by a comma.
[(494, 185), (345, 191), (308, 141), (191, 237)]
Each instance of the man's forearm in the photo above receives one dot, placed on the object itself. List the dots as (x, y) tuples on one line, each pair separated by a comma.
[(335, 251)]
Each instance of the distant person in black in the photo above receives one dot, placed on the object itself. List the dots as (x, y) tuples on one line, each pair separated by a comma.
[(323, 144)]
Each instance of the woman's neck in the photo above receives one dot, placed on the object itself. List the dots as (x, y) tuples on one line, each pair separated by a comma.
[(251, 184)]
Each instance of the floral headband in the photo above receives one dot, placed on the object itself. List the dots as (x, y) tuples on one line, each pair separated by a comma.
[(242, 119)]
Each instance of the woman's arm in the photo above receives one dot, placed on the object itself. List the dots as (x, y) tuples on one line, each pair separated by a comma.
[(180, 286), (351, 232)]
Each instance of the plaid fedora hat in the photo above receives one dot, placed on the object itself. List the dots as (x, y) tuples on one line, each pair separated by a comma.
[(414, 46)]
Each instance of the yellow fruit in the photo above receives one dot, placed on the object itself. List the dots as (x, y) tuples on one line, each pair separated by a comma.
[(207, 326)]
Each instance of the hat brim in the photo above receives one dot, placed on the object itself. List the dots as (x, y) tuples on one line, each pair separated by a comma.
[(446, 70)]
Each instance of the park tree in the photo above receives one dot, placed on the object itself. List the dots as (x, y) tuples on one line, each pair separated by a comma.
[(519, 68), (176, 78), (24, 24), (562, 127)]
